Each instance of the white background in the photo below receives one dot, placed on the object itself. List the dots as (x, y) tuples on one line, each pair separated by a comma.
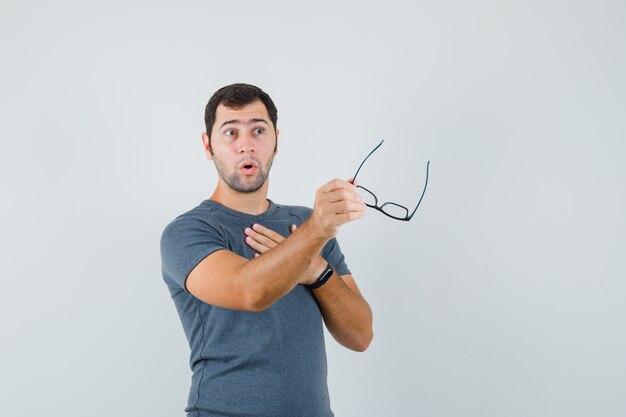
[(503, 297)]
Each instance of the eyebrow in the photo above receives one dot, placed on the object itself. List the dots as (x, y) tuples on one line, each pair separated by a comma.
[(239, 122)]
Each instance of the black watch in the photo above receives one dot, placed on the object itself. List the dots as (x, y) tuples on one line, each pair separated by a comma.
[(328, 272)]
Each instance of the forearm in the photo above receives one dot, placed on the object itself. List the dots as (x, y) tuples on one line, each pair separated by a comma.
[(346, 314), (269, 277)]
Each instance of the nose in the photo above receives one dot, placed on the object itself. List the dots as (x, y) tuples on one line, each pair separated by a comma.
[(246, 144)]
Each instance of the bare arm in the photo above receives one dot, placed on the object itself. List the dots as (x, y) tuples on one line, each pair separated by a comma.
[(228, 280), (347, 315)]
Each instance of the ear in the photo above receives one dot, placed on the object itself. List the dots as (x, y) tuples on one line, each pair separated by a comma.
[(276, 146), (206, 144)]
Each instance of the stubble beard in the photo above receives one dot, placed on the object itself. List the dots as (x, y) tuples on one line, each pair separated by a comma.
[(235, 180)]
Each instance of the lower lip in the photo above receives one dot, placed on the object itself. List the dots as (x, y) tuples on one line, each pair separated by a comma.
[(248, 171)]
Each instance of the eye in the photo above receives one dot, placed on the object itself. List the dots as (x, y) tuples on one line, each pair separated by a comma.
[(259, 130), (230, 132)]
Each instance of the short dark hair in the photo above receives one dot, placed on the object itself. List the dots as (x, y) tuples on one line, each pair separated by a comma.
[(236, 96)]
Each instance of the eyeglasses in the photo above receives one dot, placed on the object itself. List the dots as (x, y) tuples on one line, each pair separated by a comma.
[(393, 210)]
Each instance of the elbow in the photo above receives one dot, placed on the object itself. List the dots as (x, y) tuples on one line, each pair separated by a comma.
[(255, 302), (254, 305), (251, 297), (255, 296), (364, 342), (366, 337), (256, 308)]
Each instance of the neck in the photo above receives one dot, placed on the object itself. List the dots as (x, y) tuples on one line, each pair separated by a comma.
[(253, 203)]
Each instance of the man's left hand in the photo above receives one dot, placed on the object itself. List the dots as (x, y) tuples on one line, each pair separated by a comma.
[(262, 239)]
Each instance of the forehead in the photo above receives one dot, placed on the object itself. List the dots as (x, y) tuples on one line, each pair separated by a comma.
[(254, 110)]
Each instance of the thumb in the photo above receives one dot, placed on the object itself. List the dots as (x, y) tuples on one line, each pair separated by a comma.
[(293, 228)]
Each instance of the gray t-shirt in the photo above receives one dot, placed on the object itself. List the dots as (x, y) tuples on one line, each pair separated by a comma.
[(271, 363)]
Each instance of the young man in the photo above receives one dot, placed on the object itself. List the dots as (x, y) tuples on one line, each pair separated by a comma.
[(253, 280)]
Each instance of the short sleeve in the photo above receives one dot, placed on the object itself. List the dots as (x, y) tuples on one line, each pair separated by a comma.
[(184, 243), (333, 255)]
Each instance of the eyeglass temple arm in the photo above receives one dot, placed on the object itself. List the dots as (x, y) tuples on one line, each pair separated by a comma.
[(368, 155), (423, 192)]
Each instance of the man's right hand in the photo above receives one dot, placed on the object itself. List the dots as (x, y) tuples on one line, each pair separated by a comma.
[(228, 280), (336, 203)]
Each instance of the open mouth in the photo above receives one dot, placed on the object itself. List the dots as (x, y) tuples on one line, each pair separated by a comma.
[(247, 164), (248, 167)]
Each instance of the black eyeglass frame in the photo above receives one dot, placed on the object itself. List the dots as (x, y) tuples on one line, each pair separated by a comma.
[(381, 208)]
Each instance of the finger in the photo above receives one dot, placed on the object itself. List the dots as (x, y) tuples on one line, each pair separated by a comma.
[(349, 216), (256, 255), (293, 228), (258, 247), (347, 206), (276, 237), (340, 195), (333, 209), (262, 239), (352, 181), (337, 184)]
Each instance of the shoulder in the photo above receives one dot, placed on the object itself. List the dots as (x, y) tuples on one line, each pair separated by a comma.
[(199, 219)]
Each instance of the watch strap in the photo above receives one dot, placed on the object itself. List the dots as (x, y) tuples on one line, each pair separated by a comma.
[(323, 278)]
